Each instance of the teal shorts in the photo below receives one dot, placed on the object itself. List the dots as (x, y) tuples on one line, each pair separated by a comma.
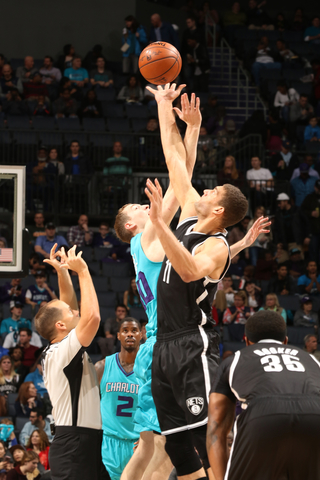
[(116, 454), (145, 418)]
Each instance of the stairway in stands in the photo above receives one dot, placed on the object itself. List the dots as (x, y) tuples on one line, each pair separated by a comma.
[(226, 86)]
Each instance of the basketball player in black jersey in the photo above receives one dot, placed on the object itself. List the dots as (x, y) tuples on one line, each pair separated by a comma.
[(197, 257), (276, 437)]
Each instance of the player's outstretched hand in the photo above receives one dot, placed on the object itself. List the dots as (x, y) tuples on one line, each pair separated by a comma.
[(53, 260), (73, 262), (259, 226), (166, 93), (190, 111), (154, 193)]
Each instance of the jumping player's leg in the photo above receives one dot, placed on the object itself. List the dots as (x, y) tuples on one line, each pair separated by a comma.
[(141, 458), (160, 465)]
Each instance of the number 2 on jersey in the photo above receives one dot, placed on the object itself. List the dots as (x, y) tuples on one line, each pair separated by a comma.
[(274, 363), (124, 406)]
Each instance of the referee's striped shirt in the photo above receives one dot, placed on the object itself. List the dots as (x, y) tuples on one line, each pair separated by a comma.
[(71, 381)]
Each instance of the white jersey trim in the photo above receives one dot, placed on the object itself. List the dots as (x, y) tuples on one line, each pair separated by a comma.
[(269, 340), (204, 360), (185, 427), (235, 431), (232, 369), (186, 220), (314, 358)]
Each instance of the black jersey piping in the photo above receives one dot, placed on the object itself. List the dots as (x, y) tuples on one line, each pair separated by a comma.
[(74, 372), (186, 220)]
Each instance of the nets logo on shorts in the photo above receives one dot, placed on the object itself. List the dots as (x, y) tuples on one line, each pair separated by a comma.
[(195, 405)]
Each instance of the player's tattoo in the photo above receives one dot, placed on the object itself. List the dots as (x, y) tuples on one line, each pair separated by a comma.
[(211, 433)]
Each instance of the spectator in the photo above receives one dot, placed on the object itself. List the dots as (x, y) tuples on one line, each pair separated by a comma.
[(65, 106), (236, 267), (296, 263), (132, 92), (206, 153), (40, 180), (50, 74), (39, 443), (281, 24), (17, 452), (12, 291), (265, 59), (25, 72), (35, 265), (239, 231), (100, 76), (111, 328), (286, 54), (8, 82), (162, 31), (117, 164), (37, 421), (105, 237), (206, 13), (40, 292), (80, 234), (257, 19), (302, 185), (272, 303), (76, 163), (29, 350), (65, 60), (283, 283), (6, 461), (276, 130), (42, 107), (309, 284), (214, 125), (13, 338), (312, 33), (15, 322), (265, 266), (299, 22), (311, 207), (263, 239), (229, 173), (300, 112), (16, 355), (312, 131), (150, 146), (287, 228), (29, 465), (78, 75), (134, 39), (209, 110), (197, 66), (254, 295), (9, 382), (131, 297), (193, 31), (44, 243), (225, 296), (53, 158), (305, 317), (90, 60), (2, 62), (27, 400), (309, 160), (311, 345), (91, 107), (37, 229), (239, 313), (283, 164), (233, 20), (34, 87), (260, 181), (256, 124), (14, 104), (285, 98)]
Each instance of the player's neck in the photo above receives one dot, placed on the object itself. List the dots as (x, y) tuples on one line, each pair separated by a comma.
[(127, 359), (208, 226)]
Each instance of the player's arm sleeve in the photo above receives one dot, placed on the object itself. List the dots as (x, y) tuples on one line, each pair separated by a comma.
[(221, 384)]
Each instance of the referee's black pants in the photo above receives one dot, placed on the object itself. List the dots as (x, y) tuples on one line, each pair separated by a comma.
[(277, 438), (75, 454)]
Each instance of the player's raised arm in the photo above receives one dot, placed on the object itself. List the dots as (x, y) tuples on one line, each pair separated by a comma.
[(173, 147)]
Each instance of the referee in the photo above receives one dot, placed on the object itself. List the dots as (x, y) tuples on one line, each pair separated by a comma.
[(69, 375), (277, 434)]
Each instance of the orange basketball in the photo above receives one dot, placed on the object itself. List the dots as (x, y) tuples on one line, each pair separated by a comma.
[(160, 63)]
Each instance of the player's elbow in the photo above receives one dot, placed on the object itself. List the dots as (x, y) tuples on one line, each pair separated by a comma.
[(187, 276)]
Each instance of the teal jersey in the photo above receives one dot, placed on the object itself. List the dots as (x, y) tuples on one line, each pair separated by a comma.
[(119, 398), (147, 273)]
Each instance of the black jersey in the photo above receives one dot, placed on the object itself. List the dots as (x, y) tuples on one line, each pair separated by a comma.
[(184, 305), (268, 368)]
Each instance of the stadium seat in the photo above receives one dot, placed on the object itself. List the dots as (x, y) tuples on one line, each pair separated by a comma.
[(119, 125), (18, 123), (80, 136), (101, 284), (100, 253), (302, 88), (138, 313), (290, 37), (28, 312), (289, 302), (120, 284), (43, 123), (153, 110), (53, 139), (116, 269), (19, 424), (95, 357), (25, 138), (101, 140), (138, 124), (120, 80), (137, 111), (94, 124), (6, 310), (297, 334), (233, 346), (313, 147), (5, 137), (112, 109), (68, 124), (106, 94), (16, 62), (11, 398), (108, 299), (106, 312)]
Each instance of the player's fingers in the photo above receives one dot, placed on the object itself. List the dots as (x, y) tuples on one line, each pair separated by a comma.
[(193, 100), (53, 249), (167, 86), (151, 185), (159, 87), (149, 195), (72, 251), (152, 90), (198, 103), (181, 87), (79, 254), (46, 260), (173, 86), (158, 187), (178, 111)]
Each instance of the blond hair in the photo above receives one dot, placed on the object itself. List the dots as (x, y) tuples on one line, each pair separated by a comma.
[(122, 232), (275, 298), (242, 294), (12, 374), (234, 171)]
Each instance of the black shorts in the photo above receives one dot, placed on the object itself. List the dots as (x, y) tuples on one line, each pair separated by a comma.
[(75, 454), (277, 438), (183, 367)]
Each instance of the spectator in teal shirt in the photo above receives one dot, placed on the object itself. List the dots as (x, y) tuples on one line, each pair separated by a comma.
[(312, 34), (76, 73), (15, 322), (312, 131), (117, 165), (134, 40), (101, 77)]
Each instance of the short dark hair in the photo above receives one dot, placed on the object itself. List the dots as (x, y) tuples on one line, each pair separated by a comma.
[(105, 224), (75, 141), (16, 347), (48, 56), (280, 265), (38, 411), (265, 324), (26, 329), (304, 95), (130, 320), (235, 205), (122, 305)]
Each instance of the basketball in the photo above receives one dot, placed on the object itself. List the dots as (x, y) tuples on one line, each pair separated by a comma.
[(160, 63)]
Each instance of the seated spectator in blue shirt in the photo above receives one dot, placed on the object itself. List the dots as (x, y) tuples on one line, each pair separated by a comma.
[(312, 34), (9, 81), (105, 237), (40, 292), (162, 31), (75, 162), (76, 73), (37, 420), (100, 77), (302, 185), (36, 377), (312, 131), (45, 243), (309, 284), (15, 322), (12, 290)]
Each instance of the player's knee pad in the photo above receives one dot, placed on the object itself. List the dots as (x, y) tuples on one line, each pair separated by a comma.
[(180, 448), (199, 439)]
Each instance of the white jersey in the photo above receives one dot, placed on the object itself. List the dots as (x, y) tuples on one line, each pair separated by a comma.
[(71, 381)]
